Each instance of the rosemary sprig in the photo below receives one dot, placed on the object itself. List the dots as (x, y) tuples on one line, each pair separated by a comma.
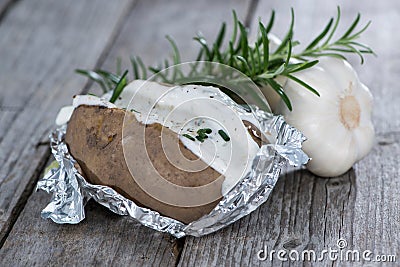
[(104, 82), (202, 135), (344, 44), (204, 131), (189, 137), (256, 60), (263, 66)]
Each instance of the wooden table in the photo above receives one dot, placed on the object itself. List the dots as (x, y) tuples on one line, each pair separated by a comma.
[(42, 42)]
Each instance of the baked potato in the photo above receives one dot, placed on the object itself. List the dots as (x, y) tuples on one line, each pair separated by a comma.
[(150, 163)]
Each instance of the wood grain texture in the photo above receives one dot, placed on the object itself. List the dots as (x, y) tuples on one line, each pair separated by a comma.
[(39, 49), (307, 212), (106, 239), (144, 33)]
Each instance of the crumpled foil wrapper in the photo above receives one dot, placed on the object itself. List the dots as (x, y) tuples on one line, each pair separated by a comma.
[(71, 191)]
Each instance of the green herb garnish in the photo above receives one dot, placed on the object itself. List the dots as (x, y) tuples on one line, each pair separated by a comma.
[(107, 81), (202, 134), (263, 65), (204, 130), (189, 137), (256, 60), (201, 138), (134, 110), (119, 87), (224, 135), (322, 45)]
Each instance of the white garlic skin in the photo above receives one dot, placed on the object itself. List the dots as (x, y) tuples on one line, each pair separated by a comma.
[(337, 124)]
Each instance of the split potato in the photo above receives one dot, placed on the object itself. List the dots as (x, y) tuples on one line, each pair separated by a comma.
[(95, 139)]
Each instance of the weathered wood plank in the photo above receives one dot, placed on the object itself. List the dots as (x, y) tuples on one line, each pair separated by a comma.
[(39, 49), (118, 242), (151, 21), (115, 240), (307, 212)]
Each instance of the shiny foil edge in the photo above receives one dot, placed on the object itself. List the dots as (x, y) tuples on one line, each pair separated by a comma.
[(70, 191)]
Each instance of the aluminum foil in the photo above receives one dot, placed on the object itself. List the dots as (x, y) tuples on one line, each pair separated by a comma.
[(70, 191)]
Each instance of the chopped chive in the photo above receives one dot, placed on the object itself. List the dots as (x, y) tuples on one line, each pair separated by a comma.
[(201, 139), (224, 135), (134, 110), (92, 94), (205, 130), (202, 135), (257, 61), (189, 137)]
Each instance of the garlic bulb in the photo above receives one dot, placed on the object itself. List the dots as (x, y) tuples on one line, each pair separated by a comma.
[(338, 123)]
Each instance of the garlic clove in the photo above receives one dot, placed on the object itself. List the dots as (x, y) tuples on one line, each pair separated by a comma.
[(341, 72), (330, 151)]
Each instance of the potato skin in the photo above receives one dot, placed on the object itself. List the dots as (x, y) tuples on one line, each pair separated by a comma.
[(94, 139)]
